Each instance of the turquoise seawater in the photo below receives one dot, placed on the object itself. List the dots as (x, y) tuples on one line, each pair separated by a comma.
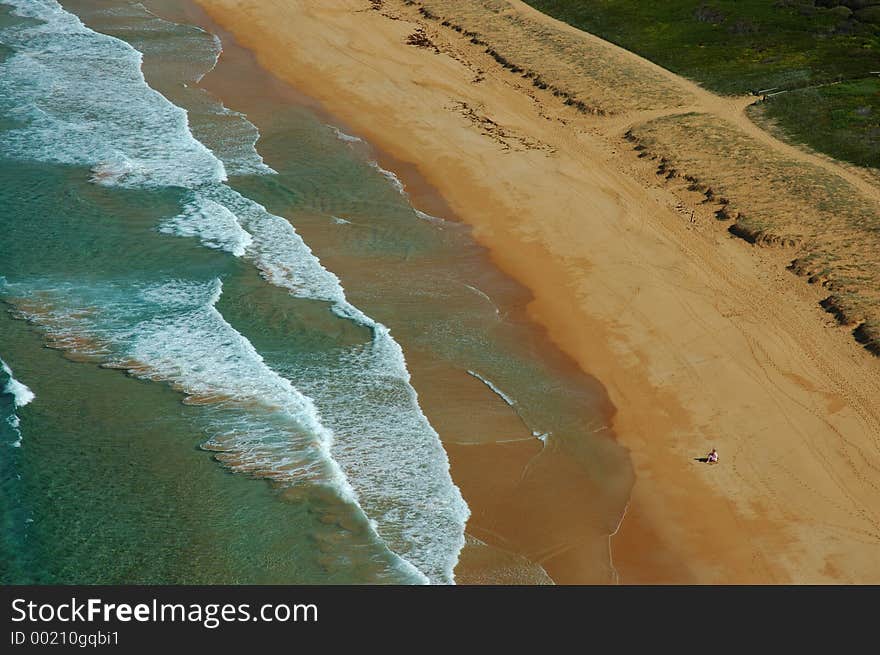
[(248, 330)]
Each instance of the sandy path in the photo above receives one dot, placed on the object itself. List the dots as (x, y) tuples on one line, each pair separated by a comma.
[(699, 342), (728, 108)]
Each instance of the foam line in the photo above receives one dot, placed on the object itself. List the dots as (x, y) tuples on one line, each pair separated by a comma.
[(21, 394), (342, 136), (510, 401), (381, 453)]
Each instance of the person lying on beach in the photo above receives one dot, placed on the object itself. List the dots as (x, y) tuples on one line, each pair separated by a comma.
[(712, 457)]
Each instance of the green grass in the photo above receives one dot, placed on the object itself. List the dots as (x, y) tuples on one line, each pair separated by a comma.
[(844, 119), (737, 46)]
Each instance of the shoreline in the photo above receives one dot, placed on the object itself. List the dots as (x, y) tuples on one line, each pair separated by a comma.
[(496, 538), (639, 299)]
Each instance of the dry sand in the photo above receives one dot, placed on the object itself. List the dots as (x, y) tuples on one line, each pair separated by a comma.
[(700, 339)]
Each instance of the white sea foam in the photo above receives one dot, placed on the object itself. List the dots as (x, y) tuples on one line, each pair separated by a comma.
[(146, 31), (387, 447), (218, 48), (111, 121), (510, 401), (386, 458), (15, 423), (342, 136), (390, 176), (237, 145), (173, 333), (429, 218), (194, 348), (541, 436), (276, 249), (186, 53), (216, 226), (21, 394), (483, 294), (401, 189), (394, 457)]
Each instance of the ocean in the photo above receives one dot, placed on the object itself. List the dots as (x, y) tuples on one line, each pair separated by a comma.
[(236, 348)]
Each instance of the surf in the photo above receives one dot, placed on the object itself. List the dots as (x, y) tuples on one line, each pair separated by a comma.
[(383, 458), (21, 396)]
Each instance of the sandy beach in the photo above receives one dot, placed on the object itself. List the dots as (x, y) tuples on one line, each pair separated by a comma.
[(701, 339)]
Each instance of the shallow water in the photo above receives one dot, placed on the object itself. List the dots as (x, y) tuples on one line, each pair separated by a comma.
[(298, 338)]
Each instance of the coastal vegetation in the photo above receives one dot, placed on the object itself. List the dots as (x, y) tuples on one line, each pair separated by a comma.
[(820, 215), (817, 60)]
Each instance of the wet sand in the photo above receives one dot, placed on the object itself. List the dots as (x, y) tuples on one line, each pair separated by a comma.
[(699, 340), (537, 514)]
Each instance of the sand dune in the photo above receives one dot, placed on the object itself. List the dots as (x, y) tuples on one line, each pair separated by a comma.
[(701, 339)]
